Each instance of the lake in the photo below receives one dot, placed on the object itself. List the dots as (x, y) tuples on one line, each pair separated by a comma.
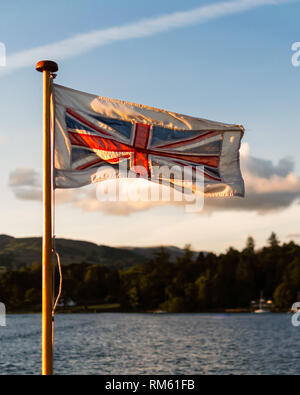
[(155, 344)]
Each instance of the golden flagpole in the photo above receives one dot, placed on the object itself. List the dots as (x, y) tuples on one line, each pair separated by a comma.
[(47, 67)]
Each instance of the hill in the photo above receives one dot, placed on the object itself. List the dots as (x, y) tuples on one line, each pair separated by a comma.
[(19, 252), (150, 252)]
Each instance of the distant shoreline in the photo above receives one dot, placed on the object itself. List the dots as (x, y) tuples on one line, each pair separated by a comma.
[(100, 309)]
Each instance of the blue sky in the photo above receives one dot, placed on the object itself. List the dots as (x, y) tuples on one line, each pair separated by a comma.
[(235, 69)]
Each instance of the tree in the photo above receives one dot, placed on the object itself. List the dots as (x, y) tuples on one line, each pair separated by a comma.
[(133, 298), (208, 282), (273, 240), (244, 283), (283, 297), (175, 305), (32, 297), (201, 284), (250, 244)]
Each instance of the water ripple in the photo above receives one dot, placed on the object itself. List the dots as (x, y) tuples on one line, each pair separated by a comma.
[(155, 344)]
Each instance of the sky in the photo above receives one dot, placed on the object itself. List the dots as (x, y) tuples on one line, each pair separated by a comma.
[(226, 61)]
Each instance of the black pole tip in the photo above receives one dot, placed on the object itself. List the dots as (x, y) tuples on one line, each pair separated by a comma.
[(46, 65)]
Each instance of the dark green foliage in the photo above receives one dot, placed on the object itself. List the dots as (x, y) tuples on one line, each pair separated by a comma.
[(208, 282)]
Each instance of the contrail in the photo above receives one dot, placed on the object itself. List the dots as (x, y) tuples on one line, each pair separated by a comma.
[(144, 28)]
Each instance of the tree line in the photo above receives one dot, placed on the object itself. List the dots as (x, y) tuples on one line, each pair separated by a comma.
[(209, 282)]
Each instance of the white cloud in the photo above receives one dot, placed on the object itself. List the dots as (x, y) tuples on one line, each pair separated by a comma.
[(269, 188), (147, 27)]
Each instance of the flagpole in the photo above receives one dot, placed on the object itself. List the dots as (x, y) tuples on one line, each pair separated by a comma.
[(47, 67)]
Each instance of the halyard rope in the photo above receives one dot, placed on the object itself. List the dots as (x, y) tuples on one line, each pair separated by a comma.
[(60, 281)]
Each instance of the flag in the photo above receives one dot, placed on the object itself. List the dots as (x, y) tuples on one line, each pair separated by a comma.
[(92, 133)]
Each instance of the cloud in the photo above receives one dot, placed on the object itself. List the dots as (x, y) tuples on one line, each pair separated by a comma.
[(82, 43), (269, 188), (294, 236), (26, 184), (89, 201), (265, 169), (24, 177)]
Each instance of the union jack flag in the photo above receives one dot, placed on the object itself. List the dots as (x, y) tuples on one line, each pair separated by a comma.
[(92, 132)]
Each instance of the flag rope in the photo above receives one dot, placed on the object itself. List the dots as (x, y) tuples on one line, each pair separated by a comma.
[(60, 281)]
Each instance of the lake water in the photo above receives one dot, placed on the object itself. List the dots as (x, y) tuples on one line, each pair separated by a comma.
[(155, 344)]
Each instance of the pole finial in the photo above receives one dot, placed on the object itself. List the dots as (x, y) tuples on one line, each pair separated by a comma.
[(46, 65)]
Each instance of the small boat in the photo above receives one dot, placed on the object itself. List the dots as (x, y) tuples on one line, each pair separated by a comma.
[(261, 309)]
